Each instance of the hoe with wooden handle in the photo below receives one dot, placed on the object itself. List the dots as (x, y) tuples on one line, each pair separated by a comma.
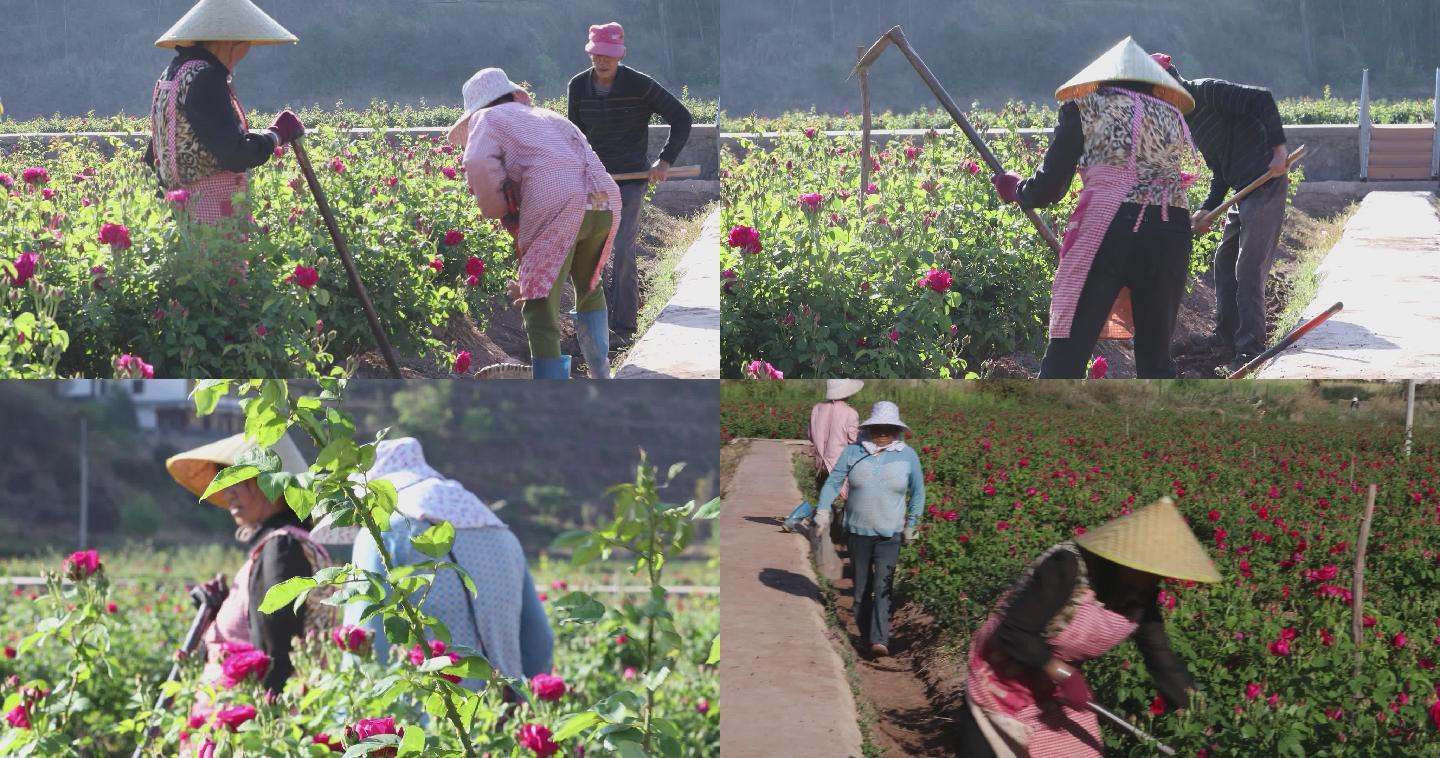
[(1210, 217), (896, 36), (678, 172)]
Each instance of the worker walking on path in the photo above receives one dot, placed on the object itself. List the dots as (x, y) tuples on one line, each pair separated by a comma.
[(612, 105), (887, 495)]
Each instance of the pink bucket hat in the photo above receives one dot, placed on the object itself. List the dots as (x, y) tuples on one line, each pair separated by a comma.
[(607, 39)]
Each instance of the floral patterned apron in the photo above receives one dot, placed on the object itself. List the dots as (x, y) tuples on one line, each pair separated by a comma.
[(210, 198), (1105, 189)]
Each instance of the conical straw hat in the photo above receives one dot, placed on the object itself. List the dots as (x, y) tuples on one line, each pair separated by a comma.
[(195, 469), (1129, 62), (1154, 539), (226, 21)]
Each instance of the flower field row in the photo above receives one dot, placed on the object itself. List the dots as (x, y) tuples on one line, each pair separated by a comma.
[(102, 264), (935, 277), (1278, 505)]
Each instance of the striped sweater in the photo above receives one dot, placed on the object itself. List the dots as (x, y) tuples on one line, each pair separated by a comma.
[(1236, 128), (618, 123)]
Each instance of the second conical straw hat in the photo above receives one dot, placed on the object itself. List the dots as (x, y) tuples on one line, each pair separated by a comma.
[(226, 21), (1128, 62), (1154, 539)]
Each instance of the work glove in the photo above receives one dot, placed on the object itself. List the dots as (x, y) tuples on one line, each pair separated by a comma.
[(911, 533), (212, 592), (1008, 185), (822, 521), (287, 127), (1073, 690)]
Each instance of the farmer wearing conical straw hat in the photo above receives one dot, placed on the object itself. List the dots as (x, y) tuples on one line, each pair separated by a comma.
[(519, 158), (201, 145), (1024, 692), (278, 547), (1122, 124)]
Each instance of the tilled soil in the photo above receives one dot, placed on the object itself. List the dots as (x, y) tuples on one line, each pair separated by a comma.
[(1195, 356), (915, 692)]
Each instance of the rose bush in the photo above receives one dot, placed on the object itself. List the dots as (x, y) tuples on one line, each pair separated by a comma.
[(85, 680), (1278, 505), (100, 263), (935, 277)]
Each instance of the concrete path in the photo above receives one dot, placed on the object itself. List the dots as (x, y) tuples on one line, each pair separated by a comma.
[(1386, 270), (684, 341), (784, 687)]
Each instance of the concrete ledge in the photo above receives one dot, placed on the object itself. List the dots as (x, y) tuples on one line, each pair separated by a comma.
[(684, 341), (702, 148), (1334, 148), (1386, 269)]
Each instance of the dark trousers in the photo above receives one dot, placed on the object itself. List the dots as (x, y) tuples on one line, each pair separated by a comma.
[(1154, 263), (622, 286), (873, 560), (1242, 265)]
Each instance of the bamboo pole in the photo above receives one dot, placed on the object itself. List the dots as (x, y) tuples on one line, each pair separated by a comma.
[(1357, 580)]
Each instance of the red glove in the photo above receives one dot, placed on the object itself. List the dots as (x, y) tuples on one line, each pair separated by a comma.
[(1008, 185), (1073, 691), (213, 592), (287, 127)]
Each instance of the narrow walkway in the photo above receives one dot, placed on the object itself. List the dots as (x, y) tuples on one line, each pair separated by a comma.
[(1386, 270), (684, 341), (785, 692)]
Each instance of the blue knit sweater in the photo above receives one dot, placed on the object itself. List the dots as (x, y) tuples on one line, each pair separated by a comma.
[(876, 506)]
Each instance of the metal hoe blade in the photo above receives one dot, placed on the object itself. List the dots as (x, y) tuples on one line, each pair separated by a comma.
[(1131, 728)]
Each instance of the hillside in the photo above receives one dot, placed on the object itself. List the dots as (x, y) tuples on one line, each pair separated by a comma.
[(548, 452), (99, 55)]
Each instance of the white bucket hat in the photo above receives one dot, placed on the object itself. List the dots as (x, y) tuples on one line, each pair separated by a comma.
[(839, 389), (195, 469), (423, 494), (885, 413), (226, 21), (479, 91)]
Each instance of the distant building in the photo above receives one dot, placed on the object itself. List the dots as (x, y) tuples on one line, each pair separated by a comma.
[(162, 405)]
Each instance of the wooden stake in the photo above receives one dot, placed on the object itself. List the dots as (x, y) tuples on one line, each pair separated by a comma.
[(864, 131), (1357, 581)]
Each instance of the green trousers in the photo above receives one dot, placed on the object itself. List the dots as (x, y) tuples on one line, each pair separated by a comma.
[(542, 316)]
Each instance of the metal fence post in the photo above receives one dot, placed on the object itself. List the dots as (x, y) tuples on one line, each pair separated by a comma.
[(1365, 125)]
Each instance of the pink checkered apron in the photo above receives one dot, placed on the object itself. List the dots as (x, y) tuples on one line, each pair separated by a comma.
[(210, 198), (1105, 189), (1016, 707)]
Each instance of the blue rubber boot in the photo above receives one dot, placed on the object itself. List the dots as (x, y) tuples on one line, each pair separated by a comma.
[(592, 331), (551, 368)]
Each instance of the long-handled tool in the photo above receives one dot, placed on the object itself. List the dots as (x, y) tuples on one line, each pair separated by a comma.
[(678, 172), (204, 616), (1290, 339), (896, 36), (355, 284), (1210, 217), (1131, 728)]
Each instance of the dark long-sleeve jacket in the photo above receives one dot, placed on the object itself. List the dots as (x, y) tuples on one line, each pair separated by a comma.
[(280, 558), (1236, 127), (1057, 171), (1030, 611), (210, 133), (617, 124)]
